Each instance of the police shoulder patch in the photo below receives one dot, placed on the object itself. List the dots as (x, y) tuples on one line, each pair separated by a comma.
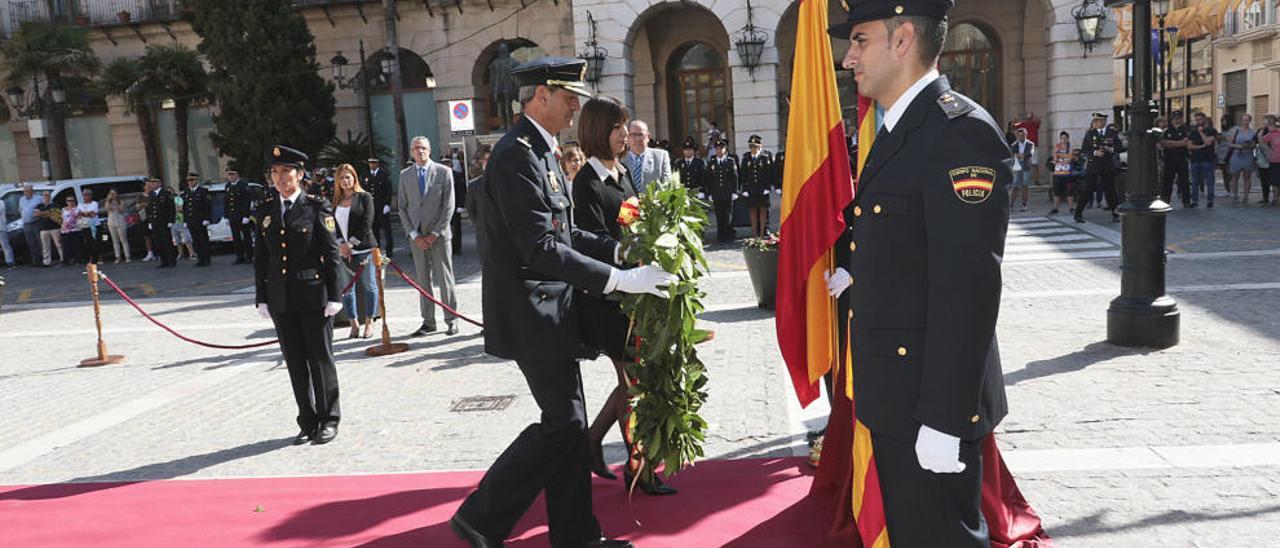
[(266, 221), (329, 224), (972, 184)]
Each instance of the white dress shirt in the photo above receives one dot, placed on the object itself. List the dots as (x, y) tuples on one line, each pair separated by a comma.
[(895, 111), (293, 200)]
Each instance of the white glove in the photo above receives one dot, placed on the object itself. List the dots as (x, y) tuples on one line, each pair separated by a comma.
[(263, 311), (244, 220), (458, 210), (386, 209), (205, 223), (332, 309), (645, 279), (837, 282), (938, 452), (170, 225), (702, 196), (733, 196), (777, 191), (746, 194)]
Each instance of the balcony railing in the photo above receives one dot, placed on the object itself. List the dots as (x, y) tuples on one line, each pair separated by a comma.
[(1256, 15), (89, 12)]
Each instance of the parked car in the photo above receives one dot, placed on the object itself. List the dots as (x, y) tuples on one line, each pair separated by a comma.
[(129, 188)]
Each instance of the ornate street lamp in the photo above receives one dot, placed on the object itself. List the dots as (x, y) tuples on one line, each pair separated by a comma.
[(58, 91), (593, 54), (750, 42), (358, 83), (34, 112), (1089, 16), (1143, 315), (338, 65)]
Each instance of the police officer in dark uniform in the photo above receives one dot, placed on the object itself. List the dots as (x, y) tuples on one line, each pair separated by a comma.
[(921, 271), (692, 169), (240, 215), (1101, 145), (758, 176), (534, 261), (197, 212), (1177, 166), (722, 186), (295, 267), (378, 183), (161, 214)]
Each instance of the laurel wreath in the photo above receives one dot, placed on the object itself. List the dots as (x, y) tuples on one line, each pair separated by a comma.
[(667, 380)]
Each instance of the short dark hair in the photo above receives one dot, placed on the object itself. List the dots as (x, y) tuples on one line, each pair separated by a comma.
[(596, 122), (930, 35), (1063, 134)]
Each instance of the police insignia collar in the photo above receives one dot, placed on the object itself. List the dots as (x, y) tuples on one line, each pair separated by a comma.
[(972, 184)]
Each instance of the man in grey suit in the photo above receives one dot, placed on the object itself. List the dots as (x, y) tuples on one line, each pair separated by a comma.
[(426, 206), (645, 164)]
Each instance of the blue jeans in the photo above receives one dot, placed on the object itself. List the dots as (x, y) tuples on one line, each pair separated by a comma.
[(1202, 178), (365, 285)]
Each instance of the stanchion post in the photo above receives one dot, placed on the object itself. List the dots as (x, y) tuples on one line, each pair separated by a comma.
[(103, 358), (387, 347)]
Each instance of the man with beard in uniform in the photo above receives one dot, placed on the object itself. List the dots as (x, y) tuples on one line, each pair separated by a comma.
[(534, 263), (1101, 145), (921, 267), (197, 211), (240, 215), (722, 185), (295, 266), (692, 169), (161, 215)]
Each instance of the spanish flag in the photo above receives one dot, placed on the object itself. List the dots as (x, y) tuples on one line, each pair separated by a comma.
[(816, 186)]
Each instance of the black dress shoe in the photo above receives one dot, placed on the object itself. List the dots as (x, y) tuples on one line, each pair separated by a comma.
[(304, 436), (598, 466), (468, 533), (452, 329), (610, 543), (423, 331), (654, 488), (326, 433)]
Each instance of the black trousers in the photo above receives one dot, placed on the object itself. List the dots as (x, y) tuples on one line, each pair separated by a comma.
[(1090, 182), (306, 339), (1180, 172), (200, 241), (455, 225), (382, 233), (162, 243), (928, 510), (724, 218), (91, 244), (550, 456), (242, 238)]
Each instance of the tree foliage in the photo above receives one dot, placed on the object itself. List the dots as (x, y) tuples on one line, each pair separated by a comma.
[(264, 78), (176, 73), (354, 150), (123, 78), (668, 380)]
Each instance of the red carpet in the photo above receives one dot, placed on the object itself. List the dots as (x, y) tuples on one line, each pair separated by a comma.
[(722, 503)]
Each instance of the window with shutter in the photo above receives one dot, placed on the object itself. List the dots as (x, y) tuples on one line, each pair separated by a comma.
[(1236, 85)]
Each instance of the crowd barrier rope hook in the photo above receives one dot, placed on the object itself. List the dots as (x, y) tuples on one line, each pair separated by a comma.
[(103, 358), (387, 347)]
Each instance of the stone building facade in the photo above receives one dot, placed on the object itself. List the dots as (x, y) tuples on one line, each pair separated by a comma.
[(673, 62)]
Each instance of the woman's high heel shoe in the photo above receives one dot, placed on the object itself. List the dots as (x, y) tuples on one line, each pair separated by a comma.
[(598, 467), (653, 488), (368, 330)]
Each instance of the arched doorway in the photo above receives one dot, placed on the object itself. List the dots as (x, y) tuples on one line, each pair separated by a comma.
[(417, 84), (698, 84), (681, 80), (521, 50), (971, 62)]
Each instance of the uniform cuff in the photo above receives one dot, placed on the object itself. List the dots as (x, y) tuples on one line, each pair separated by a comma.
[(611, 284)]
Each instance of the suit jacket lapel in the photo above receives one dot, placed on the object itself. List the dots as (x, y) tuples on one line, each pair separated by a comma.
[(883, 150)]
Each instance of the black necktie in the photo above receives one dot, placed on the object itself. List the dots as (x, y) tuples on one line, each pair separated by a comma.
[(287, 205)]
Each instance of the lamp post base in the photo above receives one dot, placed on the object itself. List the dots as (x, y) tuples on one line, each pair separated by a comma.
[(1143, 323)]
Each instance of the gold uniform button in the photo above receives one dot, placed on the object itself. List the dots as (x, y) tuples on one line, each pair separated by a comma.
[(850, 313), (876, 209), (853, 246), (284, 245), (857, 211), (284, 271), (973, 419), (898, 10), (902, 351)]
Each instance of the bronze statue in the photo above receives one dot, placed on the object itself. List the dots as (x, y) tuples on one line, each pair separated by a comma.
[(502, 86)]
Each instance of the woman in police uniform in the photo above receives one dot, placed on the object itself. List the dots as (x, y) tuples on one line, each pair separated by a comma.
[(758, 179)]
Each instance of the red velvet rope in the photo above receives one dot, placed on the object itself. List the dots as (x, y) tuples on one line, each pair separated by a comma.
[(432, 298)]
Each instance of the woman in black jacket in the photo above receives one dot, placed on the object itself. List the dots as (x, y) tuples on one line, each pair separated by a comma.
[(353, 211), (599, 190)]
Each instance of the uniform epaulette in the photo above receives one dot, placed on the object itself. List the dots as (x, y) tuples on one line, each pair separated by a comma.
[(524, 140), (955, 105)]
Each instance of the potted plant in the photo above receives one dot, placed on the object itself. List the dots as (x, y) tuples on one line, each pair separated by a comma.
[(761, 254), (124, 16)]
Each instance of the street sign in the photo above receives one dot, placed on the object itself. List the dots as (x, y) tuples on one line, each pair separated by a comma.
[(1222, 100), (462, 118)]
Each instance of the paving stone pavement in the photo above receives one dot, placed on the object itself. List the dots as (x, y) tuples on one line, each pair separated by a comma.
[(174, 410)]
